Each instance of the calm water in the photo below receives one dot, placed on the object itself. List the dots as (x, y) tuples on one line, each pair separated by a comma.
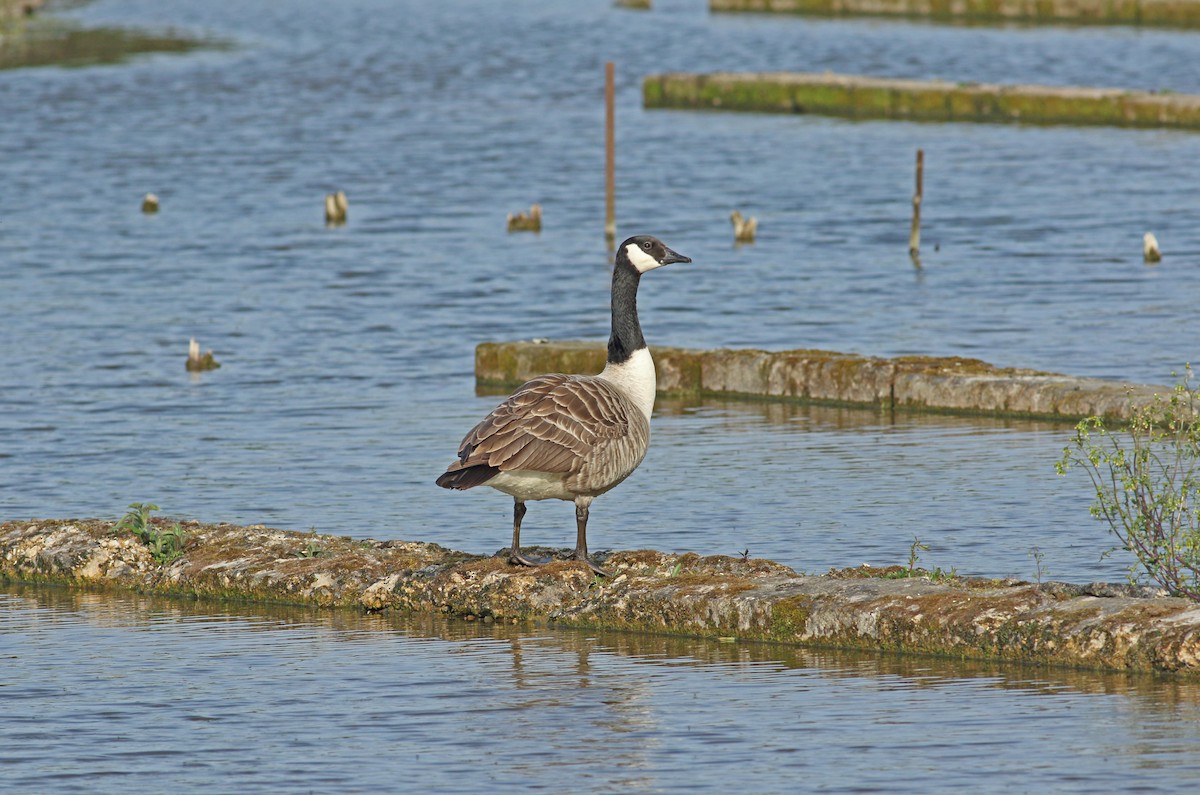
[(347, 383), (127, 694), (347, 378)]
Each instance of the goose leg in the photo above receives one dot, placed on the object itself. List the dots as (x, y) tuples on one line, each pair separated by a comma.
[(514, 554), (581, 553)]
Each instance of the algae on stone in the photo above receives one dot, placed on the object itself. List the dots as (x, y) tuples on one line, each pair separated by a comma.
[(716, 596), (931, 100), (926, 383), (1167, 13)]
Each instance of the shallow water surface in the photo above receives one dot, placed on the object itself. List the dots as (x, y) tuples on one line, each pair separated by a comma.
[(347, 353), (122, 693), (347, 383)]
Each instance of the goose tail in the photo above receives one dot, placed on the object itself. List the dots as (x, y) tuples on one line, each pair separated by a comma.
[(466, 477)]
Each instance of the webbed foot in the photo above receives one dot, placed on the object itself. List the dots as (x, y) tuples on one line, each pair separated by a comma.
[(517, 559), (595, 569)]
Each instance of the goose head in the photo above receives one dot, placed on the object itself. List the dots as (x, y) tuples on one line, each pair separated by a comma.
[(646, 252)]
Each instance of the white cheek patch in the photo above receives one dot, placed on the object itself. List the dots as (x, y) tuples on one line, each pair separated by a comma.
[(640, 259)]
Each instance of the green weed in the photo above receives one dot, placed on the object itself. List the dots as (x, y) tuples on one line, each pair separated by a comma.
[(914, 555), (312, 550), (1147, 485), (1038, 558), (166, 545), (938, 574)]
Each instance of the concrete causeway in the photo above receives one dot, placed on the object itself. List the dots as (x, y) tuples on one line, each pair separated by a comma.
[(862, 97), (943, 384), (1165, 13), (736, 600)]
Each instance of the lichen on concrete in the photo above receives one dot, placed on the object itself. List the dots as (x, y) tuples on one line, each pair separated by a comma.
[(1170, 13), (864, 97), (926, 383), (1096, 626)]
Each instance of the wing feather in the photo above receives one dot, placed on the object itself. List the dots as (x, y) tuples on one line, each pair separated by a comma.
[(550, 424)]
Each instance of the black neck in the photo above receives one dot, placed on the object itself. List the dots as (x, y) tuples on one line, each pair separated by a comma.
[(626, 334)]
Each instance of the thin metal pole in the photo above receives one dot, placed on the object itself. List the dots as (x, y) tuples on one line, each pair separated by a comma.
[(914, 237), (610, 170)]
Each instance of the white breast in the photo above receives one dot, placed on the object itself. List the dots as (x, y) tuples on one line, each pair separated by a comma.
[(635, 377)]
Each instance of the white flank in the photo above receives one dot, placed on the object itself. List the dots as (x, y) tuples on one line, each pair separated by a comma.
[(525, 484), (635, 377), (640, 259)]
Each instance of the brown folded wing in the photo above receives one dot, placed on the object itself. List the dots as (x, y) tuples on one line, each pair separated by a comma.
[(565, 424)]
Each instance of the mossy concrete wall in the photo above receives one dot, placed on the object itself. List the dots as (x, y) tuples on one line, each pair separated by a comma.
[(1099, 626), (919, 100), (946, 384), (1172, 13), (16, 9)]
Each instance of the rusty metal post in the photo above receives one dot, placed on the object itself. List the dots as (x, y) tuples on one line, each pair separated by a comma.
[(610, 170)]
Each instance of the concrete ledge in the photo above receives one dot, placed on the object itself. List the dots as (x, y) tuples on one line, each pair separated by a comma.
[(17, 9), (919, 100), (956, 385), (1099, 626), (1171, 13)]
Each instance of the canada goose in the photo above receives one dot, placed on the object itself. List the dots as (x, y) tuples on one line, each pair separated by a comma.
[(526, 222), (573, 437), (336, 208), (1150, 250), (744, 229)]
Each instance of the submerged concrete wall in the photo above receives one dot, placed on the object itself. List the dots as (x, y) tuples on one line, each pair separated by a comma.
[(1172, 13), (912, 382), (1097, 626), (919, 100)]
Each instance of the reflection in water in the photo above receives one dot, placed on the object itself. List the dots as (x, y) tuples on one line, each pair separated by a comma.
[(820, 417), (113, 689)]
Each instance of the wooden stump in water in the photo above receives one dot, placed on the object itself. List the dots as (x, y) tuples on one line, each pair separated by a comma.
[(744, 229), (1150, 250), (526, 222), (610, 155), (197, 363), (914, 235), (336, 207)]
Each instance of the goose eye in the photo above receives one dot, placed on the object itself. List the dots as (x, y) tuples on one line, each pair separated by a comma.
[(646, 245)]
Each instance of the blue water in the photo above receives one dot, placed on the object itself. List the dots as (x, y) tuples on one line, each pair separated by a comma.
[(124, 694), (347, 382), (347, 353)]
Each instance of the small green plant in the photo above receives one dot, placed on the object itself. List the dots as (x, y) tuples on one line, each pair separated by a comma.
[(674, 572), (166, 545), (137, 519), (1038, 561), (914, 556), (310, 551), (1147, 485), (938, 574), (941, 575), (313, 550)]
